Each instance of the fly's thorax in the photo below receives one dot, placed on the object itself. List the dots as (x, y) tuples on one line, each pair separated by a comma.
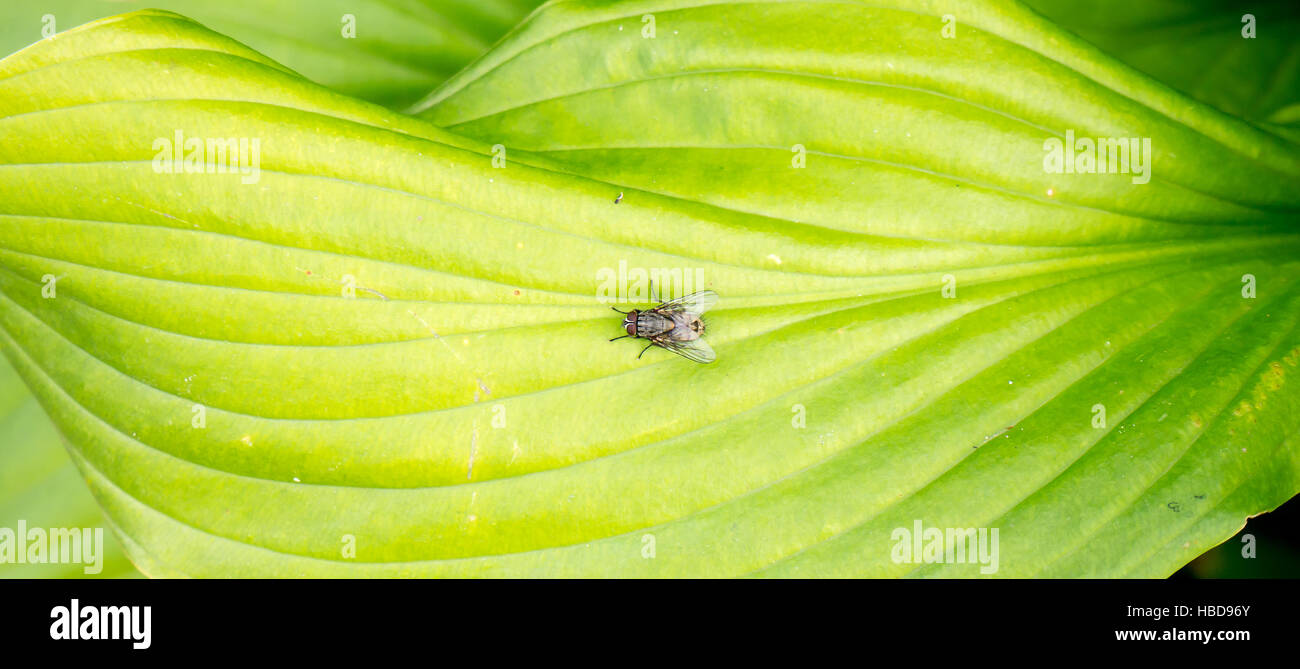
[(653, 324)]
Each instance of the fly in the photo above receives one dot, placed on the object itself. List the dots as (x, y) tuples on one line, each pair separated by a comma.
[(674, 325)]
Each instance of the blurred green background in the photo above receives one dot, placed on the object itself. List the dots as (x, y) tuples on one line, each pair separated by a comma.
[(40, 485)]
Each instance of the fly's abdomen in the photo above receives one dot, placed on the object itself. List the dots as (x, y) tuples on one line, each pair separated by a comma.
[(686, 327)]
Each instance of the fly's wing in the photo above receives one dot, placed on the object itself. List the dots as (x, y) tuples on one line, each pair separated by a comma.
[(695, 349), (695, 303)]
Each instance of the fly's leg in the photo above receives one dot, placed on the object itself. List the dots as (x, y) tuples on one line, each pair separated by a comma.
[(647, 348), (618, 338)]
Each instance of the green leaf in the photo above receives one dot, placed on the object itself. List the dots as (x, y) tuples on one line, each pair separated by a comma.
[(395, 50), (398, 346), (400, 51)]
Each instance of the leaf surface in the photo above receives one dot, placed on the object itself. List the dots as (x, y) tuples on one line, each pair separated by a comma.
[(397, 346)]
